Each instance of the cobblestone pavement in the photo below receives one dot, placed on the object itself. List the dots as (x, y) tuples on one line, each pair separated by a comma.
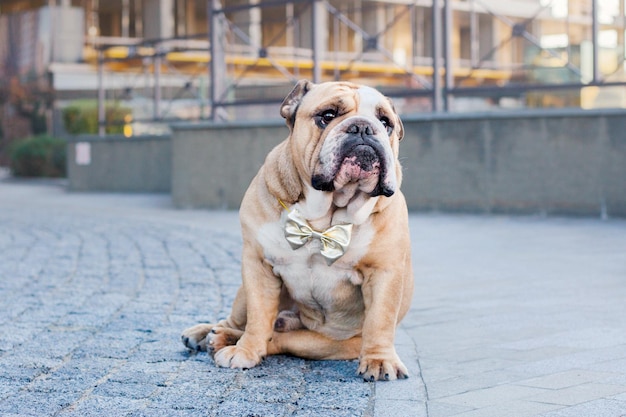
[(511, 316)]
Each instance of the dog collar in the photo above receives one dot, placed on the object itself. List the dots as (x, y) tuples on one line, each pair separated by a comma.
[(335, 240)]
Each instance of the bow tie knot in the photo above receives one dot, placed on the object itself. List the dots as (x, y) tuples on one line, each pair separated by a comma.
[(335, 240)]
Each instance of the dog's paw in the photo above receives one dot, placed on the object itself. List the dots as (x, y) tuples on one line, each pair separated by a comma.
[(373, 368), (236, 357), (219, 337), (287, 321), (194, 338)]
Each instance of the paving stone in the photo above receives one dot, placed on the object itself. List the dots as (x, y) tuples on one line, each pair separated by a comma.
[(385, 407), (579, 394), (159, 412), (620, 397), (334, 396), (441, 409), (596, 408), (517, 408), (514, 316), (403, 390), (481, 380), (566, 379), (315, 412), (492, 396), (238, 408), (95, 405), (31, 403), (124, 389)]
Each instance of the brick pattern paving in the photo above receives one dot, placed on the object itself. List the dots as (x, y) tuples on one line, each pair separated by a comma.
[(91, 317), (512, 317)]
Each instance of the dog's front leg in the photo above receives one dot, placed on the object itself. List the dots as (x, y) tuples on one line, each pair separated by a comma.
[(382, 294), (262, 289)]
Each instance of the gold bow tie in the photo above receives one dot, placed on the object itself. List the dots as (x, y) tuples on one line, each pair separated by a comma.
[(335, 240)]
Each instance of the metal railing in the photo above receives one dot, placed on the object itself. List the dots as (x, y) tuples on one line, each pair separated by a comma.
[(426, 75)]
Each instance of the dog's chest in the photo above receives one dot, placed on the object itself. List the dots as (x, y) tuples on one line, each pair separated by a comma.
[(305, 271)]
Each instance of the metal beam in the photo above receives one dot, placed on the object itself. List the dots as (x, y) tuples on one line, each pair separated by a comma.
[(209, 13), (101, 95), (156, 62), (216, 48), (474, 42), (436, 35), (125, 23), (317, 8), (447, 51), (594, 40), (261, 4)]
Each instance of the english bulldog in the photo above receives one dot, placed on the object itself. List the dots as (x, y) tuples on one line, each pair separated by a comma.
[(326, 262)]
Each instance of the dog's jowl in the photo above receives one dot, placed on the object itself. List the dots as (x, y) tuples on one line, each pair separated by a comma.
[(326, 268)]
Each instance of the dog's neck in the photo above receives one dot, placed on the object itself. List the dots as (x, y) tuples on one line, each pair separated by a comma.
[(323, 209)]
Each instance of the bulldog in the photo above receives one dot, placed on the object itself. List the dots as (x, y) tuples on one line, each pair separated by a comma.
[(326, 262)]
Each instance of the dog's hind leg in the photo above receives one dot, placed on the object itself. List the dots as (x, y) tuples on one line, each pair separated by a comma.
[(287, 321), (311, 345), (219, 337), (195, 337)]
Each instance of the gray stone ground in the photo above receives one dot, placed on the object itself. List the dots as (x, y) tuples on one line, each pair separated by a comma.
[(512, 316)]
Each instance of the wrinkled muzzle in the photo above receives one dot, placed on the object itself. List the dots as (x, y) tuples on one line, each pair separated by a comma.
[(356, 153)]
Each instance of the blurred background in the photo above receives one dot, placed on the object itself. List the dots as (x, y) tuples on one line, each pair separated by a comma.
[(153, 60)]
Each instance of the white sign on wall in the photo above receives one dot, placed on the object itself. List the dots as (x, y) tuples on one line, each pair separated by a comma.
[(83, 153)]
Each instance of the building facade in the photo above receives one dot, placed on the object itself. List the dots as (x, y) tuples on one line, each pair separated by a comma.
[(193, 59)]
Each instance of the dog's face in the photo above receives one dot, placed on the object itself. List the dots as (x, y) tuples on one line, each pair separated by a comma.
[(345, 136)]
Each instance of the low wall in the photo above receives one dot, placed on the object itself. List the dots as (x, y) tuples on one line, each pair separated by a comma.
[(553, 162), (561, 162), (213, 164), (119, 164)]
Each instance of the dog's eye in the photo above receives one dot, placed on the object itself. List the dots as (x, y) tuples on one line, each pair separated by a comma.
[(388, 126), (325, 117)]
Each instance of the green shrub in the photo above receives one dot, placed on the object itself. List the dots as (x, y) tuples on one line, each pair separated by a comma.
[(38, 156), (76, 121), (81, 117)]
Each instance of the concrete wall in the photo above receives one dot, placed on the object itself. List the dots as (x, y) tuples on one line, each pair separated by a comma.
[(565, 162), (212, 165), (119, 164), (553, 162)]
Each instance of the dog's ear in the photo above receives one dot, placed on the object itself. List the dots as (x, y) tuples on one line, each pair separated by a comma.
[(291, 103), (399, 124), (400, 128)]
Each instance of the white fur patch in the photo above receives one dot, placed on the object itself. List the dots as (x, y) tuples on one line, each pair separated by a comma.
[(370, 100), (329, 297), (317, 204)]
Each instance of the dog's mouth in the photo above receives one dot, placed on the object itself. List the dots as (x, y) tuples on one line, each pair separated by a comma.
[(360, 165)]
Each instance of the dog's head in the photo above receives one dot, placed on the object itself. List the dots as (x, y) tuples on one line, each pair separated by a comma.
[(346, 135)]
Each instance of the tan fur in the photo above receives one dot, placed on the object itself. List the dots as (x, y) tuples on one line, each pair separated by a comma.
[(378, 284)]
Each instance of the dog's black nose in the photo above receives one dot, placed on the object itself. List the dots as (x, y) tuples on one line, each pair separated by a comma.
[(362, 128)]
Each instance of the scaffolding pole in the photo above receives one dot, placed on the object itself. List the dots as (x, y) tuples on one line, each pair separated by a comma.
[(101, 95), (316, 43), (594, 40), (447, 51), (436, 35), (216, 48)]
